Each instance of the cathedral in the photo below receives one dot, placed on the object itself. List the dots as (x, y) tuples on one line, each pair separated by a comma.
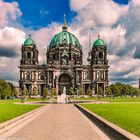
[(64, 65)]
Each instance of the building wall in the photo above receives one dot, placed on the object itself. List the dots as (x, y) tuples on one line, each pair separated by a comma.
[(66, 62)]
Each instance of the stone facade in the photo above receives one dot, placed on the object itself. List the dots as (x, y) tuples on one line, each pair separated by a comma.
[(64, 65)]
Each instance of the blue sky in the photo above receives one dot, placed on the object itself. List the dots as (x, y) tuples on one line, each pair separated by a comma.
[(40, 13)]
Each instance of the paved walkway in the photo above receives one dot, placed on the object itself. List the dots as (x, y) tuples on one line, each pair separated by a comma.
[(59, 122)]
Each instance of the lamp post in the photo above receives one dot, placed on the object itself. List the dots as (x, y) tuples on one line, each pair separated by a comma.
[(78, 85), (49, 87), (93, 88)]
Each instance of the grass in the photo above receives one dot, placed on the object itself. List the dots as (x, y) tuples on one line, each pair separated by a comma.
[(9, 110), (83, 98), (127, 116), (116, 99), (19, 100)]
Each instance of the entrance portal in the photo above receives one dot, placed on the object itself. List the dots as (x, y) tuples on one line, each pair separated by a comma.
[(64, 81)]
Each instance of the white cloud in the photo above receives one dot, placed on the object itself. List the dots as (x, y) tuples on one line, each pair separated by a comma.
[(8, 11), (103, 12), (136, 2), (11, 40), (10, 36)]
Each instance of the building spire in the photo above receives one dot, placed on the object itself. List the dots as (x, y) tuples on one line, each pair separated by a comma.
[(64, 28), (30, 36)]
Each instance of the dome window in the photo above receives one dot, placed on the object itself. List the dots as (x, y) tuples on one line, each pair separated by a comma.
[(28, 55), (64, 41)]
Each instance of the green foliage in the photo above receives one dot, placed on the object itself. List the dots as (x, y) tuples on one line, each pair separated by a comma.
[(53, 92), (81, 91), (14, 92), (45, 92), (89, 92), (25, 92), (108, 91), (35, 93), (119, 89), (5, 90), (71, 91), (100, 91)]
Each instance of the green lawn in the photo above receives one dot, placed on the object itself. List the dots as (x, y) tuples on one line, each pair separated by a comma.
[(116, 99), (8, 110), (82, 99), (125, 115), (121, 99), (19, 100)]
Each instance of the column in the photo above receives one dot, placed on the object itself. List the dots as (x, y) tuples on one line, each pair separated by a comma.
[(97, 88), (39, 89), (104, 90), (57, 88), (53, 76), (82, 78), (47, 78), (84, 88)]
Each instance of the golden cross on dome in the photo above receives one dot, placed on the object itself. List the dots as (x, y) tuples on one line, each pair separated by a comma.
[(64, 28), (65, 23)]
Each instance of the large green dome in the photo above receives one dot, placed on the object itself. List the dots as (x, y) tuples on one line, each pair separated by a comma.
[(99, 42), (64, 37), (29, 42)]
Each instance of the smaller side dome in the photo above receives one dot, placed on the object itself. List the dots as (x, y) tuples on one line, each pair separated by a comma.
[(99, 42), (29, 42)]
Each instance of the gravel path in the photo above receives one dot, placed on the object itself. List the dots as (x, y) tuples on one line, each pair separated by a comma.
[(59, 122)]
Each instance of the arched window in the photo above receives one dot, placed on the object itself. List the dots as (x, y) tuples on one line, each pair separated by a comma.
[(100, 54), (28, 55), (42, 76), (28, 76), (64, 78)]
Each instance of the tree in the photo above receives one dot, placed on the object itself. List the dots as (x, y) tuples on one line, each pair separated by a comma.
[(89, 92), (5, 89), (125, 90), (25, 92), (45, 93), (120, 89), (81, 91), (71, 91), (35, 93), (6, 92), (53, 92), (108, 91), (14, 93), (115, 90), (100, 92)]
